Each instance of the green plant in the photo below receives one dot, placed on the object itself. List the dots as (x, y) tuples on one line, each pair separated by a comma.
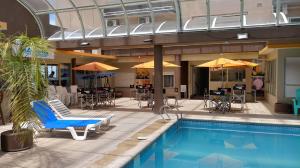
[(22, 76)]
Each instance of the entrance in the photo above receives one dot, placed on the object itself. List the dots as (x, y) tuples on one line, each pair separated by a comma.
[(200, 82)]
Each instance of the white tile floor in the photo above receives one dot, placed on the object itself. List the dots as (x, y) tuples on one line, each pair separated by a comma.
[(59, 150)]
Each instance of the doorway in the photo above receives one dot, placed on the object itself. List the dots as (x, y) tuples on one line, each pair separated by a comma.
[(201, 82)]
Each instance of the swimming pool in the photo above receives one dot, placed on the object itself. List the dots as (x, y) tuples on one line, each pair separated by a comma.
[(208, 144)]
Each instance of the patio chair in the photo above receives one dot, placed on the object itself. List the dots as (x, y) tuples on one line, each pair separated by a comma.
[(49, 120), (74, 94), (52, 92), (296, 102), (63, 112), (63, 95)]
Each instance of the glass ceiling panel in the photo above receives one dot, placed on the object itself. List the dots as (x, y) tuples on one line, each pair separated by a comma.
[(71, 23), (98, 32), (37, 5), (60, 4), (193, 19), (259, 13), (290, 11), (91, 20), (50, 23), (164, 16), (77, 34), (108, 2), (56, 36), (143, 29), (225, 15), (160, 16), (83, 3)]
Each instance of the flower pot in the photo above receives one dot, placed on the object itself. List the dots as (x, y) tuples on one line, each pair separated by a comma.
[(283, 108), (12, 142)]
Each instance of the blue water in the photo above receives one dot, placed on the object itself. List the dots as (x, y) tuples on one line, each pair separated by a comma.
[(205, 144)]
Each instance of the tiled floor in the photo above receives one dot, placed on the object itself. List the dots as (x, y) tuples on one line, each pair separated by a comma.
[(115, 146)]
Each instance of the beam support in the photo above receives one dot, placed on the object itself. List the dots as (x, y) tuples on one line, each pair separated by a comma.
[(36, 18), (178, 15), (58, 18), (158, 78), (80, 19), (73, 64), (102, 19)]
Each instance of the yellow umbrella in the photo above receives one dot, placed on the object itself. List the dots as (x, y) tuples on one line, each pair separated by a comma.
[(221, 63), (95, 66), (150, 65), (247, 63)]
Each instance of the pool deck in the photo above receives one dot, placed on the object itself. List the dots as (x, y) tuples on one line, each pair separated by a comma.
[(118, 144)]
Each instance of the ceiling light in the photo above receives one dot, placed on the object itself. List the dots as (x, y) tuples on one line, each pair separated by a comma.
[(148, 40), (242, 36), (84, 43)]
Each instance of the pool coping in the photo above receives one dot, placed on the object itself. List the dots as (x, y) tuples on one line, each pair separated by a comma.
[(143, 144), (138, 145)]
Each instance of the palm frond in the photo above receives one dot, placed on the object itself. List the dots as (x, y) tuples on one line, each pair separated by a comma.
[(22, 76)]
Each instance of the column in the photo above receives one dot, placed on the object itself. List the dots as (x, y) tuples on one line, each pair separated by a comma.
[(158, 77), (73, 64)]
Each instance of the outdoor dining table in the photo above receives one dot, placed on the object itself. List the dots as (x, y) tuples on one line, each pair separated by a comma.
[(95, 97), (219, 101)]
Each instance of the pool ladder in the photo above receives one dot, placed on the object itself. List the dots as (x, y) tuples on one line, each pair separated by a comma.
[(166, 109)]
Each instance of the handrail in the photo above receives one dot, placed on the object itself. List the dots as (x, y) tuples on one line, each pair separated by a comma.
[(163, 110)]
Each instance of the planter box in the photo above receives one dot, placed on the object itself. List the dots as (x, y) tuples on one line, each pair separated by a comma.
[(283, 108)]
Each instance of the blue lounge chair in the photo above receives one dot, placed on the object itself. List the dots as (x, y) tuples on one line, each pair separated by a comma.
[(63, 112), (296, 102), (49, 120)]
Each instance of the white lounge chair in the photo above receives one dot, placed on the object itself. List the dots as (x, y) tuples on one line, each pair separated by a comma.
[(64, 112), (50, 121)]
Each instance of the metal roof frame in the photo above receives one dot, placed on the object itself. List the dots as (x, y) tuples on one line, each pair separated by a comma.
[(175, 7)]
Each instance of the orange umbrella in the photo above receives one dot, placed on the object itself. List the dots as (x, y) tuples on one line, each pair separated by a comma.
[(95, 66), (150, 65)]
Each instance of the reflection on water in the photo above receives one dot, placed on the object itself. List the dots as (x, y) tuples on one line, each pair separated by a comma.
[(207, 148)]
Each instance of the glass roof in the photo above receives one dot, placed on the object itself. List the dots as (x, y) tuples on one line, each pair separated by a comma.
[(81, 19)]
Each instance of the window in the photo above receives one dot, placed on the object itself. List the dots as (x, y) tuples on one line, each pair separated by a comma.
[(236, 75), (51, 72), (292, 77), (168, 80), (216, 75), (112, 23), (52, 19), (145, 19), (271, 77)]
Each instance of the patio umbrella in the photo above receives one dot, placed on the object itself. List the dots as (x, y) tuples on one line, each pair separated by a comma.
[(247, 63), (150, 65), (221, 63), (96, 67)]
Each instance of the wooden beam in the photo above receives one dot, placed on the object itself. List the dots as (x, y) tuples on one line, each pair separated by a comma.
[(270, 47), (73, 53), (286, 45)]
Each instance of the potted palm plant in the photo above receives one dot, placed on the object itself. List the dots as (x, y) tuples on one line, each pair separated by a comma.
[(23, 81)]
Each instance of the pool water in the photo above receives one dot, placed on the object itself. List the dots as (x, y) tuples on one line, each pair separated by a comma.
[(206, 144)]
